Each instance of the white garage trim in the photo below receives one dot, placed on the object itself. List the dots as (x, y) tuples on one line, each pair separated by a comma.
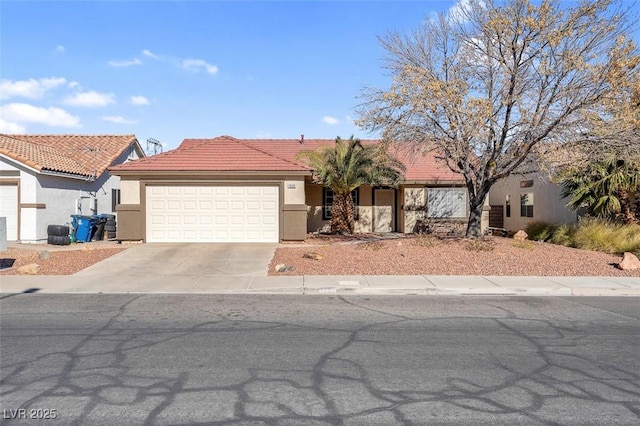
[(9, 208), (239, 213)]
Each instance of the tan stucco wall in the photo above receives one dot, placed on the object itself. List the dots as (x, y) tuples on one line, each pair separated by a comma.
[(548, 205), (294, 191), (315, 223), (129, 191), (413, 206)]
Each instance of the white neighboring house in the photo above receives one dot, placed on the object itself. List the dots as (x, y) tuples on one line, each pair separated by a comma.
[(521, 199), (44, 179)]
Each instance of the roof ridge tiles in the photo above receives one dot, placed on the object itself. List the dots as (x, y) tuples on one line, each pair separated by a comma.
[(240, 141)]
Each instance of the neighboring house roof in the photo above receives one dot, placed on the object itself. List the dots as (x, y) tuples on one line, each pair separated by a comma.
[(88, 156), (226, 153)]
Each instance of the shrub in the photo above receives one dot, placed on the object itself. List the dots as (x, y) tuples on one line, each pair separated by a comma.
[(479, 245), (528, 245), (564, 235), (540, 231), (608, 237)]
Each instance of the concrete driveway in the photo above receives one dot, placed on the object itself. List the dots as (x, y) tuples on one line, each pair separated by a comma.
[(187, 259)]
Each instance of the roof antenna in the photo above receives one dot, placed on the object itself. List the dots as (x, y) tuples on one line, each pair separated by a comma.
[(156, 144), (302, 139)]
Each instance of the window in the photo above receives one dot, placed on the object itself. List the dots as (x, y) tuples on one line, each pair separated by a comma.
[(115, 198), (526, 183), (447, 202), (327, 202), (507, 205), (526, 205)]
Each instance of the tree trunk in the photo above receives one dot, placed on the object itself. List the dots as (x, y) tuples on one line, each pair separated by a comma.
[(342, 219), (476, 205), (625, 207), (475, 221)]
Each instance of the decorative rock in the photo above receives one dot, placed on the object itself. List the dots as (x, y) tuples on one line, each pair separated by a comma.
[(30, 269), (520, 235), (629, 262), (281, 267), (45, 255), (314, 256)]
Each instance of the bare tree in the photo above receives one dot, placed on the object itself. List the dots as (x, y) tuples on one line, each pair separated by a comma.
[(491, 84)]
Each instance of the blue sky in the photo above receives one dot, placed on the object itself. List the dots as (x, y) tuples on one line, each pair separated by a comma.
[(171, 70)]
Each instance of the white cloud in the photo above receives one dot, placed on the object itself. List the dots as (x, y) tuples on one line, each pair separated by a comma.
[(125, 63), (459, 11), (330, 120), (59, 49), (118, 119), (73, 84), (90, 99), (30, 89), (26, 113), (195, 65), (7, 127), (138, 100), (149, 54)]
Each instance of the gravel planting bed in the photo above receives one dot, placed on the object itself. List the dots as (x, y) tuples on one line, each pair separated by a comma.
[(63, 260), (428, 255)]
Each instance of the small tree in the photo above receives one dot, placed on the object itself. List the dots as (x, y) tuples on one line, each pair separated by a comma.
[(346, 166), (486, 87)]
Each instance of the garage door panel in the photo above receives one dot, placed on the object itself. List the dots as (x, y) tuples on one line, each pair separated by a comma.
[(9, 209), (212, 214)]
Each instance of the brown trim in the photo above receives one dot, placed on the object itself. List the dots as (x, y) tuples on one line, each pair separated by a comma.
[(33, 206), (11, 173), (294, 207), (15, 182)]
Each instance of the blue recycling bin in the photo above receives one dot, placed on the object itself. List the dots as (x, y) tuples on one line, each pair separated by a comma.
[(83, 226)]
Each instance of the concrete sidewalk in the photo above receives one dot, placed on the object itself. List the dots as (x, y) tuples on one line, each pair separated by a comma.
[(325, 284)]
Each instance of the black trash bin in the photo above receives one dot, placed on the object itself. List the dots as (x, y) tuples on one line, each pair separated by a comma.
[(98, 229)]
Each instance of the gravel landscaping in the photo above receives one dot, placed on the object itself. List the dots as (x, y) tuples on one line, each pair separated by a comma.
[(371, 255), (429, 255), (63, 260)]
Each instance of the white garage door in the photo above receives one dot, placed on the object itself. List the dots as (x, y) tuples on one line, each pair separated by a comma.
[(212, 214), (9, 209)]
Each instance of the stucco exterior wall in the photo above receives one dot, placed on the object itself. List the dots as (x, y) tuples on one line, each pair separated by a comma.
[(129, 191), (315, 223), (294, 191), (548, 204), (413, 207)]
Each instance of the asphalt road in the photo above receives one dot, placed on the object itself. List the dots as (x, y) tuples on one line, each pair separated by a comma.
[(318, 360)]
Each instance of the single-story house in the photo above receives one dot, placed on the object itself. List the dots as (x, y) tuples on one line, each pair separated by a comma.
[(521, 199), (46, 178), (256, 190)]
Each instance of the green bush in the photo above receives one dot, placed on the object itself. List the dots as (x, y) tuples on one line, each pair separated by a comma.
[(540, 231), (608, 237), (564, 235)]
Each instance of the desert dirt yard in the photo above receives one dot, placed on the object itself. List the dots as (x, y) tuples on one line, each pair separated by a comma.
[(367, 255)]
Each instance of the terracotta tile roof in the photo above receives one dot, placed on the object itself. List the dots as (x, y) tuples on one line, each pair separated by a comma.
[(226, 153), (84, 155), (420, 167), (223, 153)]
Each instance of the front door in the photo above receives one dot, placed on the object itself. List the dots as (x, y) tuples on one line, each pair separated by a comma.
[(383, 210)]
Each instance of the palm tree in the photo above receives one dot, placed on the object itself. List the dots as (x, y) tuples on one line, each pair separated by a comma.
[(347, 165), (604, 187)]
